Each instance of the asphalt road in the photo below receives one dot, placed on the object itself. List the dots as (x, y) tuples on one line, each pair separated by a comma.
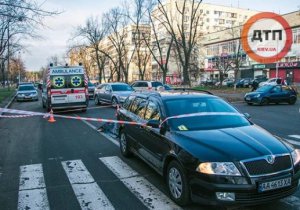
[(70, 165)]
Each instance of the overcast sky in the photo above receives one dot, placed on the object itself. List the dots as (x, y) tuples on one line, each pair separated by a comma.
[(60, 28)]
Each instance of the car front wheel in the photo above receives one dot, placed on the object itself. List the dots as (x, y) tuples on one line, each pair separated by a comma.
[(124, 145), (96, 100), (264, 101), (178, 184)]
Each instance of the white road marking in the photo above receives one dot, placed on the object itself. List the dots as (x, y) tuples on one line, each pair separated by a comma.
[(87, 192), (114, 141), (292, 201), (293, 142), (295, 136), (148, 194), (32, 188)]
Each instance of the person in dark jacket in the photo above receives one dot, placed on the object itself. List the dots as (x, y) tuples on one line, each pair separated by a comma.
[(254, 85)]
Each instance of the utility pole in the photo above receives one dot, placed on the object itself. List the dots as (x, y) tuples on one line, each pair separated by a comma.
[(8, 53)]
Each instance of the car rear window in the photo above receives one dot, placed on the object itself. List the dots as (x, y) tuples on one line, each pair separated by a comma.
[(67, 81), (156, 84), (215, 117), (121, 88), (26, 87)]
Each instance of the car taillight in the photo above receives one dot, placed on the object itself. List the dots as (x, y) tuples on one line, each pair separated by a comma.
[(149, 88)]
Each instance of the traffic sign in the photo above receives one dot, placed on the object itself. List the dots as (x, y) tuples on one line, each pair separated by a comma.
[(266, 37)]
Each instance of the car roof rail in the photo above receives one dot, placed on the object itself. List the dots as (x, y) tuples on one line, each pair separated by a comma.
[(193, 90)]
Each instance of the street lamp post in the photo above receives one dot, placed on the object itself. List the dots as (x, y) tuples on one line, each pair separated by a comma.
[(19, 67)]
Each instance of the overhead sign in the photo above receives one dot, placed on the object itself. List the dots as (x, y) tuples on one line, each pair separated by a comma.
[(266, 37)]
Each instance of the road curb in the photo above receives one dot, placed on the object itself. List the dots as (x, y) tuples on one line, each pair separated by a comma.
[(9, 103)]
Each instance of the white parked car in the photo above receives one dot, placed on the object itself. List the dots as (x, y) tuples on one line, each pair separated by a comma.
[(225, 82), (272, 81), (146, 85)]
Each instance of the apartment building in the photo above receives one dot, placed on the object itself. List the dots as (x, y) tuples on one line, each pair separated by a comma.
[(129, 43), (212, 18)]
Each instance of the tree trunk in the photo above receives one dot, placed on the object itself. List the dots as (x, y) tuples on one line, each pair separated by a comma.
[(186, 78)]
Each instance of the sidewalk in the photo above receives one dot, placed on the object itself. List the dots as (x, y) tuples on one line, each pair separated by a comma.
[(231, 97)]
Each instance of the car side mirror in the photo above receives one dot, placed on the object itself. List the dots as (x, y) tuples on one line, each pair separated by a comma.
[(247, 115), (153, 123)]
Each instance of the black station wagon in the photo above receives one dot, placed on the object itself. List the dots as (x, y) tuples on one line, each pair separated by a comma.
[(206, 150)]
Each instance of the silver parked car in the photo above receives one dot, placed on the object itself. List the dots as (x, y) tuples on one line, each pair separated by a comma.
[(114, 93), (27, 92)]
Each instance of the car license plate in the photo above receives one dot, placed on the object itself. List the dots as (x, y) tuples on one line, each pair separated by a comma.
[(248, 98), (276, 184)]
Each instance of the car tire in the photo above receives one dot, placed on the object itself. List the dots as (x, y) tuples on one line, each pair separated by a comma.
[(292, 100), (264, 101), (114, 101), (124, 144), (96, 100), (250, 104), (177, 183)]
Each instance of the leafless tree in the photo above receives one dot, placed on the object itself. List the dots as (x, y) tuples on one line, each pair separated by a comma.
[(182, 26), (121, 52), (16, 68), (93, 33), (19, 19), (158, 44), (137, 11)]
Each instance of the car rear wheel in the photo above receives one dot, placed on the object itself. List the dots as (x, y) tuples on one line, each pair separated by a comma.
[(124, 145), (292, 100), (96, 100), (264, 101), (178, 184)]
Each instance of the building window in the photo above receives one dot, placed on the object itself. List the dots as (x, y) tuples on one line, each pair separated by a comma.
[(207, 20), (207, 12), (185, 27), (234, 15), (186, 18)]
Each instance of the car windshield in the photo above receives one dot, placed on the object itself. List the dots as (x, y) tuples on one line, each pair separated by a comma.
[(26, 87), (264, 88), (121, 88), (217, 114)]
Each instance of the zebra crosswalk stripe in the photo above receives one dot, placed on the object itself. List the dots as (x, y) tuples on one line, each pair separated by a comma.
[(32, 188), (87, 191), (148, 194), (295, 136), (293, 142)]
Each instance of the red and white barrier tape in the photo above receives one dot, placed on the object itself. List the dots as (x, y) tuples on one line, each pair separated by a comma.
[(45, 115), (16, 116), (201, 114)]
